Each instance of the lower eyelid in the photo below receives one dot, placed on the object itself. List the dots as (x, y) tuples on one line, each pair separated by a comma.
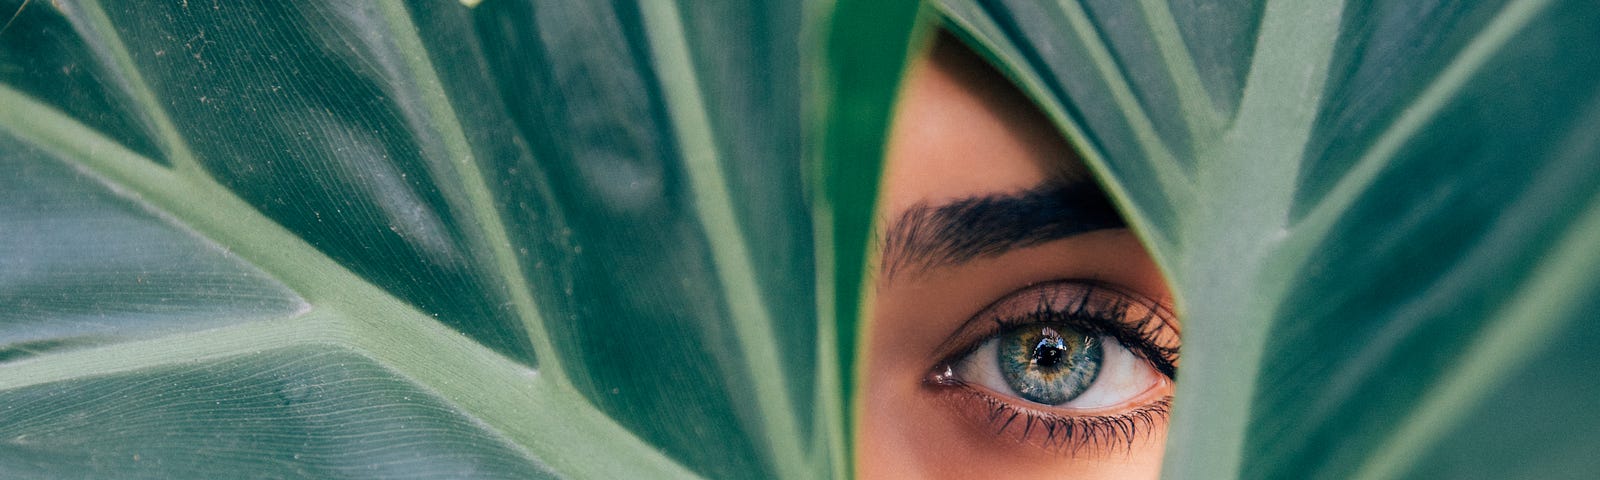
[(1057, 432)]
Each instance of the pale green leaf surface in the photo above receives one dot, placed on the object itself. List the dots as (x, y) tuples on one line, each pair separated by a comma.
[(63, 284), (418, 238), (1384, 254), (302, 412)]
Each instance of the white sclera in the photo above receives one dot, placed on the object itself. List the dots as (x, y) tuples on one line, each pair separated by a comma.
[(1122, 376)]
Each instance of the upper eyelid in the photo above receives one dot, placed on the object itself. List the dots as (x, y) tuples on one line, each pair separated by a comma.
[(1152, 344), (974, 328)]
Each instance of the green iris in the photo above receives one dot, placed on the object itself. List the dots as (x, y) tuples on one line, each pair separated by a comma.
[(1049, 365)]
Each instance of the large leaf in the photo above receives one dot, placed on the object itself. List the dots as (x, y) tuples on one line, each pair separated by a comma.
[(413, 239), (1380, 218)]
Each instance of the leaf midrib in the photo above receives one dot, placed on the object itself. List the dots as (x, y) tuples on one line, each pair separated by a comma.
[(751, 316), (187, 197), (93, 23), (479, 200), (482, 384), (1249, 175)]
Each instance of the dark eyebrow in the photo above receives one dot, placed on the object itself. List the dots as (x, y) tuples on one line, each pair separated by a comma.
[(927, 236)]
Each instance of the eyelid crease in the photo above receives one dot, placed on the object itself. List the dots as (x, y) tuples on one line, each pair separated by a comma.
[(925, 237)]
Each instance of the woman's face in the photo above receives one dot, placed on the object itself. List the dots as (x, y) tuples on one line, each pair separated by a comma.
[(1019, 329)]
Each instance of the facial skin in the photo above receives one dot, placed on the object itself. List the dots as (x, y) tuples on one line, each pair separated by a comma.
[(992, 229)]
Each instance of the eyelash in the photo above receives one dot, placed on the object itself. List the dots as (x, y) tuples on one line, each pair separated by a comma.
[(1094, 310), (1070, 433)]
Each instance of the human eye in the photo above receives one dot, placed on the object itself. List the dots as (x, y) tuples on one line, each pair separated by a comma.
[(1063, 365)]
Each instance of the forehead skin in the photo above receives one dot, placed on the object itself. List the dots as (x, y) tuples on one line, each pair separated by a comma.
[(961, 130)]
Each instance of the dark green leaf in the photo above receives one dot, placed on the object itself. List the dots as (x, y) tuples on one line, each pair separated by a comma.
[(1380, 219), (414, 239)]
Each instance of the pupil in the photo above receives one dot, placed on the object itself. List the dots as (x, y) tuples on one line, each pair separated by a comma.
[(1048, 353), (1040, 365)]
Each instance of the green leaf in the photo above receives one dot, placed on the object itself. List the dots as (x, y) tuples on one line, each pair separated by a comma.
[(1379, 218), (861, 80), (419, 239)]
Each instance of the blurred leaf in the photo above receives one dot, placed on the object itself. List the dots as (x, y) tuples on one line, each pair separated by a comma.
[(413, 239), (867, 47), (1380, 219)]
